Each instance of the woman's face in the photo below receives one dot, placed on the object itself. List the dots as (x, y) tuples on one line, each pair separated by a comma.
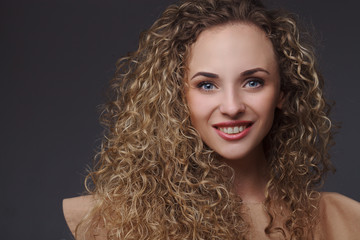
[(234, 88)]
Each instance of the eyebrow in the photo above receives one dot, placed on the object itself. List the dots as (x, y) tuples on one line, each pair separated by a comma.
[(244, 74), (252, 71), (206, 74)]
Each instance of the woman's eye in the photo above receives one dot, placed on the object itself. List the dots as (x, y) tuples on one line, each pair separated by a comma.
[(254, 83), (206, 86)]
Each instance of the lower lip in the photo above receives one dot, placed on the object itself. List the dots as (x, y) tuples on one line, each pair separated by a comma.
[(233, 137)]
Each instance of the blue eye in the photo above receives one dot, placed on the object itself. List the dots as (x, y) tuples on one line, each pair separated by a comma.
[(206, 86), (254, 83)]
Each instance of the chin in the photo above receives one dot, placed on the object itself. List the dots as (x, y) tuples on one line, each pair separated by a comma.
[(240, 153), (231, 156)]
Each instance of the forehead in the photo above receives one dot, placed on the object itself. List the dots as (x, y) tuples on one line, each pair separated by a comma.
[(241, 44)]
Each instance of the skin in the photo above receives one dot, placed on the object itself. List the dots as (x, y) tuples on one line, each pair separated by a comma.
[(233, 75)]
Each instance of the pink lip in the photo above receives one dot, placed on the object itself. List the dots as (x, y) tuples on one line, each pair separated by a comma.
[(232, 124), (233, 137)]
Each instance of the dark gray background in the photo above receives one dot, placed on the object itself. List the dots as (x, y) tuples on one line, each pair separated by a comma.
[(56, 59)]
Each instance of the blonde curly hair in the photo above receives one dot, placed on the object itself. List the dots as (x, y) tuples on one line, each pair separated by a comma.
[(155, 179)]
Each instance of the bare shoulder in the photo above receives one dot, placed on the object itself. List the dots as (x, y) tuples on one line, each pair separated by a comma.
[(336, 197), (75, 209), (339, 216), (335, 202)]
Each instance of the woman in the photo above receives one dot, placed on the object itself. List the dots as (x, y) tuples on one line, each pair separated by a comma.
[(217, 128)]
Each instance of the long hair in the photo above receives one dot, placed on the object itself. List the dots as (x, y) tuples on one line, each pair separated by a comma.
[(155, 179)]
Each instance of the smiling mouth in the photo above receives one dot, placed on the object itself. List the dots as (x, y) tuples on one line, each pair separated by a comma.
[(233, 129)]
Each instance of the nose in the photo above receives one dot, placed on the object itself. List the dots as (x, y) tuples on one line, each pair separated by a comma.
[(232, 104)]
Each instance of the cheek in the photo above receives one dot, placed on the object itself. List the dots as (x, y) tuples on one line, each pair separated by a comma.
[(200, 107), (265, 106), (269, 112), (196, 107)]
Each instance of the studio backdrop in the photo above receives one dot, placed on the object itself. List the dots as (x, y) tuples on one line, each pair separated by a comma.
[(57, 57)]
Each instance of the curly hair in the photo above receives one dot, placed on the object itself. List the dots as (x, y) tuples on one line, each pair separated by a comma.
[(155, 178)]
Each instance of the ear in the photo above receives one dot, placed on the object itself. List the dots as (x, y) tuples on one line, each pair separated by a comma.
[(281, 100)]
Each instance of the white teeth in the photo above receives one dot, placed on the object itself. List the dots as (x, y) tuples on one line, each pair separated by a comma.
[(233, 130), (236, 129)]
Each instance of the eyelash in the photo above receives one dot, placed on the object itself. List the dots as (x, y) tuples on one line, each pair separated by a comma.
[(201, 85), (260, 82)]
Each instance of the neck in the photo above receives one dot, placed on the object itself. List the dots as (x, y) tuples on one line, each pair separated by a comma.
[(250, 176)]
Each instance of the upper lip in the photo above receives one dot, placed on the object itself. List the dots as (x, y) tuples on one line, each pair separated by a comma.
[(232, 124)]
